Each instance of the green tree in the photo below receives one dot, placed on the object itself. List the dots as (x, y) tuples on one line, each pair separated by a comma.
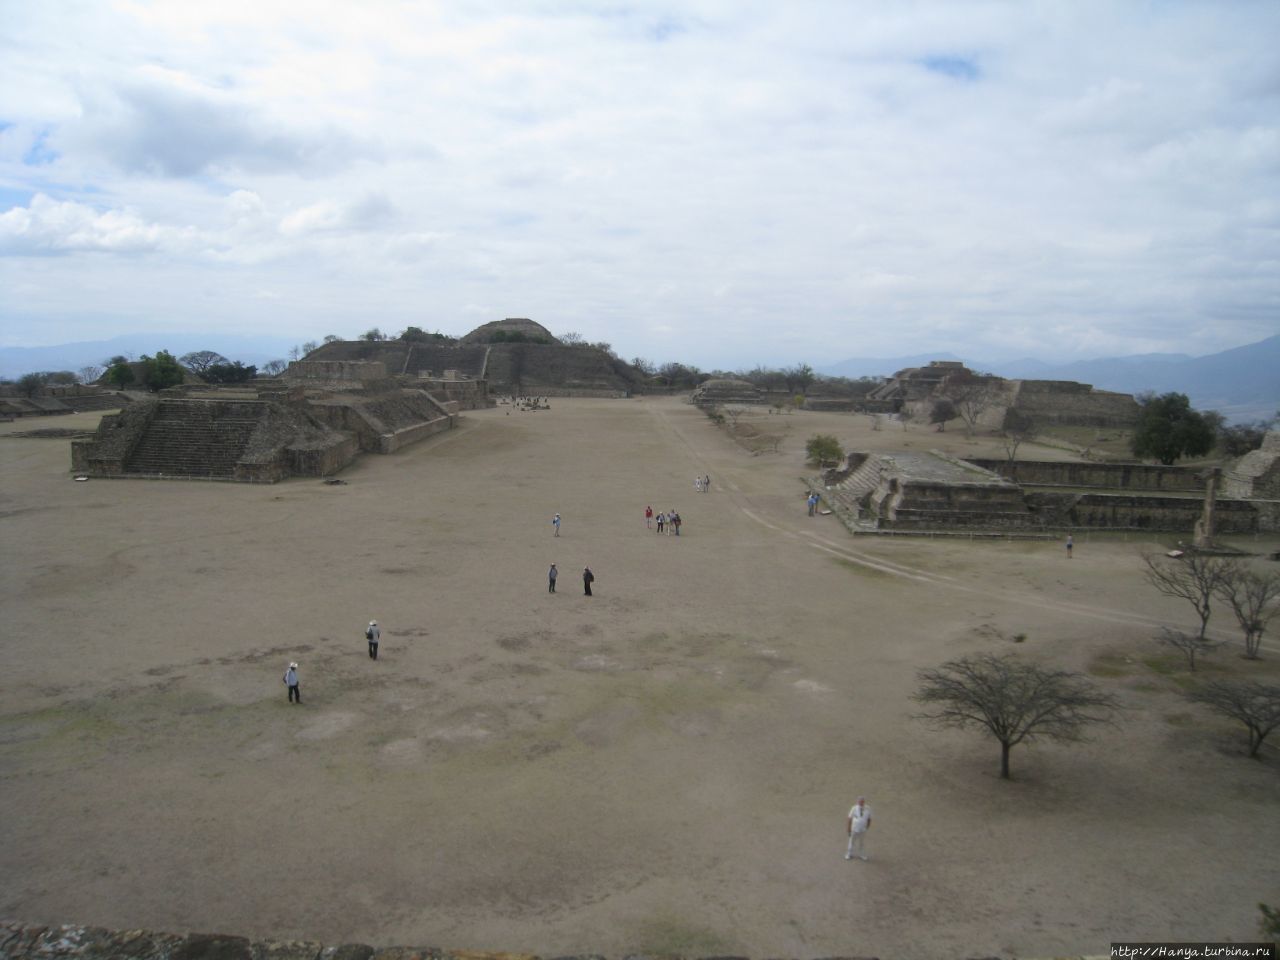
[(823, 449), (1168, 429), (230, 373), (943, 411), (373, 334), (161, 371), (120, 375)]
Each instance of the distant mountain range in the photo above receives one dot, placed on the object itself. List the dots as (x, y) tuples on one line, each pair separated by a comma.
[(1241, 384)]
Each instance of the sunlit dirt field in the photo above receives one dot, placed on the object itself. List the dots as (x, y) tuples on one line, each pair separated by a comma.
[(662, 767)]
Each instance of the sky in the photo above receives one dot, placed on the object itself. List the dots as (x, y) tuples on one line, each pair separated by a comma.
[(719, 183)]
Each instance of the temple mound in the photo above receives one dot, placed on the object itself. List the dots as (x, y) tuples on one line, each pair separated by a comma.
[(514, 356)]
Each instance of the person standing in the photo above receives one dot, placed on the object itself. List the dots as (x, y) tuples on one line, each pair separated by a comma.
[(648, 517), (706, 483), (859, 822), (697, 484), (662, 519), (555, 523), (1070, 543), (291, 681), (813, 503), (588, 578), (551, 579), (373, 633), (675, 522)]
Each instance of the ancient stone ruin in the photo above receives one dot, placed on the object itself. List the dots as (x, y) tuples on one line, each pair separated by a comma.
[(533, 362), (721, 391), (909, 491), (914, 391), (313, 421)]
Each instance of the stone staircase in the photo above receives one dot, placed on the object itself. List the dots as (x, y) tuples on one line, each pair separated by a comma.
[(192, 438), (847, 494)]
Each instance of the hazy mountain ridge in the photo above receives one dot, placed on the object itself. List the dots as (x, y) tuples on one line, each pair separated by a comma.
[(1242, 383), (15, 361)]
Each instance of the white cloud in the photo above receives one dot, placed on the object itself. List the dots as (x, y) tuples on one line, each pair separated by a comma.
[(48, 226), (714, 182)]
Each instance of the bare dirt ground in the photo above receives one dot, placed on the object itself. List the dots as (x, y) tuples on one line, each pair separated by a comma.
[(663, 767)]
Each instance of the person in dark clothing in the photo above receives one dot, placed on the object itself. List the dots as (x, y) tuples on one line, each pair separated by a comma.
[(551, 579), (587, 579)]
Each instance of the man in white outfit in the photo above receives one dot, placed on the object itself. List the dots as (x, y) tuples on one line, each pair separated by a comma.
[(858, 825)]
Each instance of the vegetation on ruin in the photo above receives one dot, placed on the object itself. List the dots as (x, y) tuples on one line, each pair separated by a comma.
[(1015, 702), (230, 373), (1168, 429), (824, 450)]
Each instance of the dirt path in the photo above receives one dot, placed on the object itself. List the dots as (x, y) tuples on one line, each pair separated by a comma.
[(663, 767)]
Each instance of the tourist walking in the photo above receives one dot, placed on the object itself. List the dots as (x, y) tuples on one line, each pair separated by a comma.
[(1070, 543), (588, 578), (555, 523), (373, 633), (675, 522), (706, 483), (648, 517), (859, 822), (662, 519), (291, 681), (551, 579), (813, 503), (697, 484)]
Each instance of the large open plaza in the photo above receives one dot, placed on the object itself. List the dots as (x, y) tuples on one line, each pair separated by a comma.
[(663, 767)]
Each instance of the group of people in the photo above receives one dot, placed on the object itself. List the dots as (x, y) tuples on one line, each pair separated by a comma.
[(702, 484), (668, 523), (372, 636), (588, 578)]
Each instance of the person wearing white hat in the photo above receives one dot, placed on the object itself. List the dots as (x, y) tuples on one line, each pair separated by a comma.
[(373, 633), (291, 681)]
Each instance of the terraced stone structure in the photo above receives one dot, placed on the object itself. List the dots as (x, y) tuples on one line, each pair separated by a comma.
[(724, 390), (312, 422), (907, 491), (515, 356), (913, 392)]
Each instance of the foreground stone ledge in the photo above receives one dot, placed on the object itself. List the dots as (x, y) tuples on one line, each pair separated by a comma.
[(22, 941)]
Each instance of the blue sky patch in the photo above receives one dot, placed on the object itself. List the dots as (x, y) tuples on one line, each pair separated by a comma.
[(40, 154), (10, 198), (958, 68)]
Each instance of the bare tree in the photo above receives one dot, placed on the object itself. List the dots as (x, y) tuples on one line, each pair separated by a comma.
[(1014, 701), (1193, 577), (1189, 644), (274, 367), (1256, 705), (201, 360), (1255, 600), (971, 394), (573, 339), (1018, 427), (91, 373)]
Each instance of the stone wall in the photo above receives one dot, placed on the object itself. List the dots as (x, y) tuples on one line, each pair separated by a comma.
[(1070, 403), (1112, 511), (348, 372), (1111, 476)]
